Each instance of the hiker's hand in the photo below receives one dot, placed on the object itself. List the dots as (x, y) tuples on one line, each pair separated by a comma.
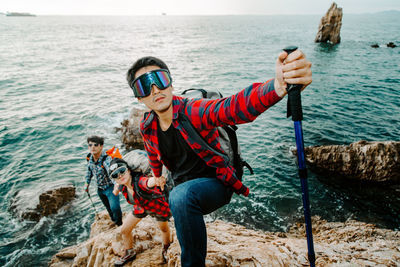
[(293, 69), (151, 182), (161, 181), (116, 190)]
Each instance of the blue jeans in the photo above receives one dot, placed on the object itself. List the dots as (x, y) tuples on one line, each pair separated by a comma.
[(111, 202), (189, 201)]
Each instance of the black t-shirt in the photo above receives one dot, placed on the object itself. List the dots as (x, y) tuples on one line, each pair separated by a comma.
[(184, 164)]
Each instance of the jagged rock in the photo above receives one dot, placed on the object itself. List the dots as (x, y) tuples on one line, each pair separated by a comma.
[(137, 159), (366, 161), (329, 26), (336, 244), (130, 134), (26, 205), (375, 46), (391, 45)]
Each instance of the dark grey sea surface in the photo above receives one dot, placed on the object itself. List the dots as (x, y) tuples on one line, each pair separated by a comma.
[(63, 78)]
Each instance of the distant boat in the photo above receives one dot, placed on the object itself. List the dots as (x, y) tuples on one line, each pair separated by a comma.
[(19, 14), (164, 14)]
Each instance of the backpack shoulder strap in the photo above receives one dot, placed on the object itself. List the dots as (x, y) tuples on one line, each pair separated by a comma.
[(202, 91), (102, 164), (88, 157)]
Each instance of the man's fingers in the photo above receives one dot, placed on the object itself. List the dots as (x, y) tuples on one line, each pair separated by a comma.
[(281, 57), (298, 64), (297, 73), (304, 80), (295, 55), (160, 182)]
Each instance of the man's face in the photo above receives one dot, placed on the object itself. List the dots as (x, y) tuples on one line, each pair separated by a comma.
[(159, 100), (94, 148)]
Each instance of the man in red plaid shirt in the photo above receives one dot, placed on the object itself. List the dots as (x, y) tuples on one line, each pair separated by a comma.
[(181, 134)]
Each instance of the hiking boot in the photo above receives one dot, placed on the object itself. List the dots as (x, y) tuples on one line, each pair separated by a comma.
[(130, 255), (164, 253)]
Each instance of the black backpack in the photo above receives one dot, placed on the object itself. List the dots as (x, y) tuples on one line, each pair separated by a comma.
[(227, 134)]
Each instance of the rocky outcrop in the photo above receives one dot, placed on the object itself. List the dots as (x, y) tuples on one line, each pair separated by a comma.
[(27, 206), (336, 244), (130, 134), (366, 161), (329, 26)]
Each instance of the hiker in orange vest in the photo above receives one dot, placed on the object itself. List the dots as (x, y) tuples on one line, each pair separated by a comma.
[(98, 165)]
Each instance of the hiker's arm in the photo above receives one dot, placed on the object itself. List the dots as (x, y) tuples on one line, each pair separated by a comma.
[(88, 178), (249, 103), (148, 184), (116, 189), (155, 164), (239, 108)]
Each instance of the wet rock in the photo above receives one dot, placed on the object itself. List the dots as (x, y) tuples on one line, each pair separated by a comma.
[(363, 161), (130, 134), (26, 205), (391, 45), (329, 26), (336, 244), (375, 46)]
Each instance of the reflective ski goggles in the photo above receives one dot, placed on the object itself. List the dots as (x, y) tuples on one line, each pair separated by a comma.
[(119, 171), (141, 86)]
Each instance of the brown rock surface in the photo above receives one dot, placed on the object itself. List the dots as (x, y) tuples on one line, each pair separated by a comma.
[(130, 134), (329, 26), (336, 244), (366, 161), (30, 207)]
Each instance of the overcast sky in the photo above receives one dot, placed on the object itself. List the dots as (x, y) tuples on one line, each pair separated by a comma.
[(189, 7)]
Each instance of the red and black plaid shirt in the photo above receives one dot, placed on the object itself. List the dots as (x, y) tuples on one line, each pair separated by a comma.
[(158, 206), (205, 115)]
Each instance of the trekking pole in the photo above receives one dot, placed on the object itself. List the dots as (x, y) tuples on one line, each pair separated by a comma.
[(294, 109), (92, 202)]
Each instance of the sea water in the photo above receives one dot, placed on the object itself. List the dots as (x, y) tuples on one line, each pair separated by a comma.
[(62, 78)]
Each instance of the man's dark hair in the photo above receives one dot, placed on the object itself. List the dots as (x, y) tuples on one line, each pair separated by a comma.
[(96, 139), (141, 63)]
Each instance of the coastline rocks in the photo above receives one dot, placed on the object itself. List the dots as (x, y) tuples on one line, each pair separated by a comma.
[(28, 207), (130, 134), (363, 161), (336, 244), (329, 26)]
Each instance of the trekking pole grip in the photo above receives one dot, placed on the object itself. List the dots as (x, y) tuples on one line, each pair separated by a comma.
[(294, 108)]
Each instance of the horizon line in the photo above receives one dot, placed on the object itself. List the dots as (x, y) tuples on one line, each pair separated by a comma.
[(166, 14)]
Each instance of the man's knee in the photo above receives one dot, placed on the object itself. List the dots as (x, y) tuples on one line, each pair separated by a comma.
[(179, 198)]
